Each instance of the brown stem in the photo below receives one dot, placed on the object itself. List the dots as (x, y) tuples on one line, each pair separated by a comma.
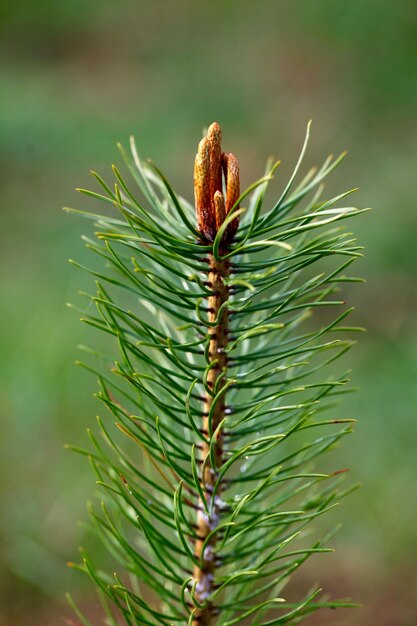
[(204, 575)]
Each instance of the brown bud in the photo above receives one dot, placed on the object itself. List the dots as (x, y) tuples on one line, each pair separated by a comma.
[(214, 135), (211, 206), (219, 209), (231, 174), (205, 217)]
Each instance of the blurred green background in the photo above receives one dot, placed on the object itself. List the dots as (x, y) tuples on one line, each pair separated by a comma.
[(75, 77)]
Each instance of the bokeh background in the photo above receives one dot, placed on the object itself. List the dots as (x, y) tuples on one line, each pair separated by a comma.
[(78, 76)]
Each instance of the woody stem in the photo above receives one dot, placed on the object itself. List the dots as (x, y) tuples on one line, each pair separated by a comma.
[(213, 414)]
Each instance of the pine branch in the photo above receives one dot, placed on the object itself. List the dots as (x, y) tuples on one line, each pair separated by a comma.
[(212, 209), (207, 479)]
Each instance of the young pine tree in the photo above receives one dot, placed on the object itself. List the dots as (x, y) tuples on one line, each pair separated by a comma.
[(207, 461)]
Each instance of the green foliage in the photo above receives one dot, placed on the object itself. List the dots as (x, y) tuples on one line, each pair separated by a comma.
[(151, 298)]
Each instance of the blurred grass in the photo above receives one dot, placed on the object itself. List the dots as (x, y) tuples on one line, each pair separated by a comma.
[(77, 77)]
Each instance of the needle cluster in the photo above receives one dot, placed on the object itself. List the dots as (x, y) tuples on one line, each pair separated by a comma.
[(208, 459)]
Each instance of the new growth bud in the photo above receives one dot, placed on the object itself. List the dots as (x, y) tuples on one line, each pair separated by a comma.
[(214, 136), (212, 206), (219, 209), (205, 219), (231, 175)]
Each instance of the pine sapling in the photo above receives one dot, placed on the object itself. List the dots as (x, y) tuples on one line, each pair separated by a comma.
[(207, 477)]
